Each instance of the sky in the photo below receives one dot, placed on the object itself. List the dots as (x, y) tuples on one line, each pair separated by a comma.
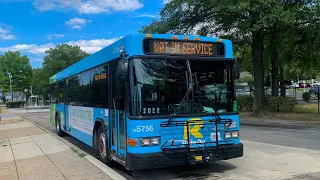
[(34, 26)]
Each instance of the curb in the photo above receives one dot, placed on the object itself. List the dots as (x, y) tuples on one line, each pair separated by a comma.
[(104, 168)]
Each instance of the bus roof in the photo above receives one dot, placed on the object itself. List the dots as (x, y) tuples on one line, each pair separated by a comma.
[(133, 46)]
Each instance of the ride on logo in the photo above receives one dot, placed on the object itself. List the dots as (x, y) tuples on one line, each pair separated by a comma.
[(194, 131)]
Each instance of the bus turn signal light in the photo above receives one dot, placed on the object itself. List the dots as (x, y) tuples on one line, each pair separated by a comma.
[(132, 142)]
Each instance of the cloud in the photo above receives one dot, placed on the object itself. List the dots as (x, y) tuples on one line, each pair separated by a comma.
[(89, 46), (5, 34), (88, 6), (166, 1), (30, 48), (145, 15), (52, 36), (92, 46), (36, 59), (77, 23)]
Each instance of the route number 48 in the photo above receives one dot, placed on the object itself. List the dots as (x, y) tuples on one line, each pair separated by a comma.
[(143, 129)]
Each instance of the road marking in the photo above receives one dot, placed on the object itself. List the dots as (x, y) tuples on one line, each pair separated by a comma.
[(106, 169)]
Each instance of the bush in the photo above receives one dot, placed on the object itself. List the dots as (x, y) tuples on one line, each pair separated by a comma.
[(14, 104), (290, 103), (306, 96), (273, 103), (280, 104), (245, 101), (246, 79)]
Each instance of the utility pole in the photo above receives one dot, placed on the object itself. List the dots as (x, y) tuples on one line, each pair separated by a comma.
[(10, 77)]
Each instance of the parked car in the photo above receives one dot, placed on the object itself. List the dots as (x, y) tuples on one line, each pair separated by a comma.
[(314, 90)]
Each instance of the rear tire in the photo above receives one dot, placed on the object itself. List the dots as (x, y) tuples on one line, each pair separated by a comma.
[(58, 127), (102, 147)]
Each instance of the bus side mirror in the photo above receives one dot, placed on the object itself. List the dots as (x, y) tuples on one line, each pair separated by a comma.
[(236, 70), (122, 71)]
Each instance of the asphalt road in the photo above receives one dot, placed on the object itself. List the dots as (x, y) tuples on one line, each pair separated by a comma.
[(270, 153)]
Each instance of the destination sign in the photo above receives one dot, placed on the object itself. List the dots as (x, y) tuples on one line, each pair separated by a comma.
[(100, 76), (179, 47)]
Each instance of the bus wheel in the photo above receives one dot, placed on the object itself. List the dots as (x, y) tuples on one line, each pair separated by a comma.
[(58, 128), (102, 147)]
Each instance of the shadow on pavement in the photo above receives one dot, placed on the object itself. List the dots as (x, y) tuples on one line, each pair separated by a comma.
[(199, 171)]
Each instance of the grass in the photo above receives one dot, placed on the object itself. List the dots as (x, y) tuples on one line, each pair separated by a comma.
[(80, 154), (301, 116), (298, 89), (306, 108), (74, 150), (3, 110)]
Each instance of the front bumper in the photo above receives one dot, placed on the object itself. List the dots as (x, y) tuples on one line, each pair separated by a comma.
[(180, 157)]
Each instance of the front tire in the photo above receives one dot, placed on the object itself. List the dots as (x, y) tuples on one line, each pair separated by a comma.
[(102, 148), (58, 127)]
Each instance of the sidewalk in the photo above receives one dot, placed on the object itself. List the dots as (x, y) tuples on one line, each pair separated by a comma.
[(28, 110), (28, 152)]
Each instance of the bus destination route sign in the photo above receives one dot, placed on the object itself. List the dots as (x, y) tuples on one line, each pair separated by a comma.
[(182, 47)]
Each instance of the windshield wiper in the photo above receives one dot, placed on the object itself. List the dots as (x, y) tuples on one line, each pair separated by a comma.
[(190, 89)]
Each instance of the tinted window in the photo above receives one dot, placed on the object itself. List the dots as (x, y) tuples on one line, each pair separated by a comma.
[(75, 94), (85, 88), (57, 92), (99, 87)]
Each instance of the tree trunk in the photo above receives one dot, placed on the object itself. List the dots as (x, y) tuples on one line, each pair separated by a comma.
[(258, 72), (274, 64), (282, 86)]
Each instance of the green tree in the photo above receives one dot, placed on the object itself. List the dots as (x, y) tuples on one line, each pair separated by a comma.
[(55, 60), (20, 69), (245, 21), (61, 57), (39, 83)]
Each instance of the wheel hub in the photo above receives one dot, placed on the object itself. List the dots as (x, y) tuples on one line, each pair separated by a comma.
[(102, 145)]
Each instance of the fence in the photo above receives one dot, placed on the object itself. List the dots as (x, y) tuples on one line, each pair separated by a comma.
[(296, 93)]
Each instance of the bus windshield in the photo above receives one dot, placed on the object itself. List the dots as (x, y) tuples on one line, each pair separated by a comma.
[(157, 86)]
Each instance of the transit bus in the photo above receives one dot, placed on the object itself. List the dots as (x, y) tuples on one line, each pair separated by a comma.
[(152, 101)]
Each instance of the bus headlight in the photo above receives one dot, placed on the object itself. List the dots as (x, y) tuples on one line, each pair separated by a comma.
[(227, 135), (155, 141), (150, 141), (231, 134), (235, 134), (232, 125), (145, 142)]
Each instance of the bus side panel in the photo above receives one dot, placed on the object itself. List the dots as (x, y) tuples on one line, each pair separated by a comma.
[(81, 122), (59, 108), (52, 113)]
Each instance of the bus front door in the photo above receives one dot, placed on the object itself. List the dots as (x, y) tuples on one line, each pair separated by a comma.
[(117, 116)]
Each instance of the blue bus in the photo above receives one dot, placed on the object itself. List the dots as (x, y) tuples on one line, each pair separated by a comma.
[(152, 101)]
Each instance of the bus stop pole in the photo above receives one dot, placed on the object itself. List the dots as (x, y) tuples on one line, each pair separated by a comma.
[(318, 99)]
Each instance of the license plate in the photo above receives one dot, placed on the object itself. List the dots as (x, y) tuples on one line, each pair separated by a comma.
[(198, 158), (213, 136)]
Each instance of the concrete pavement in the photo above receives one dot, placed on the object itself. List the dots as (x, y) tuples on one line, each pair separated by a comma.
[(29, 152), (29, 110), (269, 153)]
